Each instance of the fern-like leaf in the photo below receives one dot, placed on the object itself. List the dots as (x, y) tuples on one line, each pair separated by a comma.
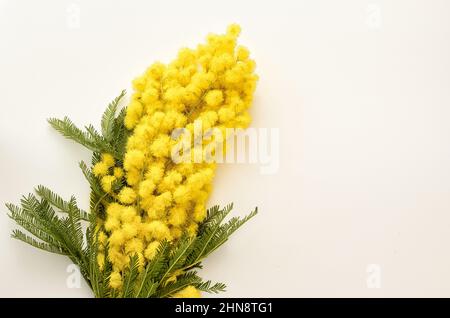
[(209, 288), (178, 256), (182, 281), (68, 129), (149, 278), (130, 277), (19, 235), (108, 117), (58, 202)]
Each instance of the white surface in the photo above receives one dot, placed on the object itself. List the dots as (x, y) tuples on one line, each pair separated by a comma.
[(358, 89)]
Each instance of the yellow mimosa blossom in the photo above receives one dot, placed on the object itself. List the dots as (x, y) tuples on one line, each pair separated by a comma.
[(102, 238), (107, 182), (161, 199), (151, 250), (188, 292), (111, 224), (108, 159), (127, 195), (101, 260), (118, 172), (115, 280), (100, 169)]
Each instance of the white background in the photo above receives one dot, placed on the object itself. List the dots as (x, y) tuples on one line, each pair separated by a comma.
[(358, 89)]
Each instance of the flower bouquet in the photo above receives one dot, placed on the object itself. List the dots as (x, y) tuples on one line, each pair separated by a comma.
[(148, 228)]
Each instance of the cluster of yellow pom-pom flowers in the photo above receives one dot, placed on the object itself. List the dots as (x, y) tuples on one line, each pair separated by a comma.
[(161, 199)]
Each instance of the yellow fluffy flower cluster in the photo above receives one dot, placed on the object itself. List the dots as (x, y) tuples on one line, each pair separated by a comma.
[(160, 199), (188, 292)]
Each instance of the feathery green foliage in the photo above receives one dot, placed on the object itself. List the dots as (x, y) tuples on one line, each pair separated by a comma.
[(58, 202), (109, 116), (113, 137), (63, 235), (68, 129)]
